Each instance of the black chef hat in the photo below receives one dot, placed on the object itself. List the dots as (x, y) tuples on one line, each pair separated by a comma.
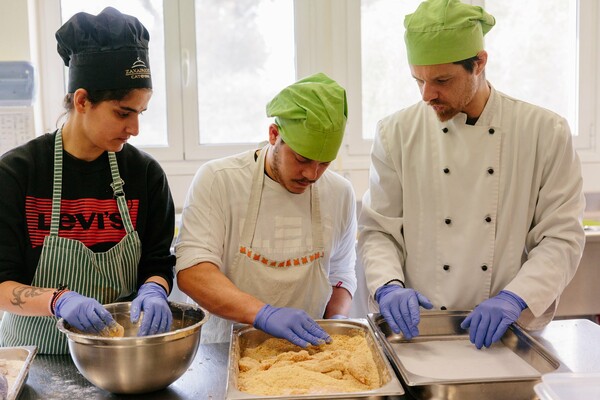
[(105, 51)]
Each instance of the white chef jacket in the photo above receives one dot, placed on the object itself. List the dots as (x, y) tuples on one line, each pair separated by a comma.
[(461, 212), (215, 210)]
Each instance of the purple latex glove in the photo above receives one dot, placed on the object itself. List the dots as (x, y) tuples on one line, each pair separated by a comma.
[(291, 324), (490, 319), (83, 313), (152, 299), (400, 308)]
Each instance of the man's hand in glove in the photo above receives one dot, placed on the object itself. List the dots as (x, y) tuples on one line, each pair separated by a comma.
[(400, 308), (152, 299), (490, 319), (291, 324)]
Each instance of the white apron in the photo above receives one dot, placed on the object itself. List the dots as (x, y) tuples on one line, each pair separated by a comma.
[(107, 276), (281, 278)]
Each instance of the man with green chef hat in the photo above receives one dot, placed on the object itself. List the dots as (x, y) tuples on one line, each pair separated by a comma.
[(267, 237), (475, 198)]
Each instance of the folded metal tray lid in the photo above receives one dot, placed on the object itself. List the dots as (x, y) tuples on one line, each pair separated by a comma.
[(441, 363)]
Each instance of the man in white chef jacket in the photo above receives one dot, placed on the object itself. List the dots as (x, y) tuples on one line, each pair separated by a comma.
[(268, 236), (475, 198)]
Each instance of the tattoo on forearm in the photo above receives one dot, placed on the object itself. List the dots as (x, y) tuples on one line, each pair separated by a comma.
[(21, 293)]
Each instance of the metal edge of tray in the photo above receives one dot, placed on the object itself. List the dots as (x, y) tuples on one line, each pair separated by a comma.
[(392, 388), (515, 338), (17, 387)]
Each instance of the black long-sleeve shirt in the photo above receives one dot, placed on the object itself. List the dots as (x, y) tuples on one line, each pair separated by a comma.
[(89, 212)]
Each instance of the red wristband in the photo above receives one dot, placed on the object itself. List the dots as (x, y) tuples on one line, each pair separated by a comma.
[(55, 296)]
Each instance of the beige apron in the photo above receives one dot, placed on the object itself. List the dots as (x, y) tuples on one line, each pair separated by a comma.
[(107, 276), (277, 278)]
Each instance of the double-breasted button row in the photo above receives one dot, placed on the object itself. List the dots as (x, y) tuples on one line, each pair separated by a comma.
[(490, 170), (446, 267), (491, 131), (448, 221)]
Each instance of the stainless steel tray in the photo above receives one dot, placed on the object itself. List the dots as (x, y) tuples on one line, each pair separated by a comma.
[(445, 326), (23, 354), (244, 336)]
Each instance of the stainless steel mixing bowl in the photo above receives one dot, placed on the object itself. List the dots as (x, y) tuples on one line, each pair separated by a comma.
[(133, 364)]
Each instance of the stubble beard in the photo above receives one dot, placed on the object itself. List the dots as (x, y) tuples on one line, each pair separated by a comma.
[(450, 112)]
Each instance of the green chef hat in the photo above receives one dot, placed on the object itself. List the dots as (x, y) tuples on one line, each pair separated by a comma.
[(311, 115), (445, 31)]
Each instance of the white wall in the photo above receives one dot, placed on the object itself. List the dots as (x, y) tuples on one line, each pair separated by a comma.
[(591, 177), (14, 31)]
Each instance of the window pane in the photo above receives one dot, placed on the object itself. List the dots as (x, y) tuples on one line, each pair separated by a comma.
[(387, 84), (532, 53), (153, 122), (245, 55)]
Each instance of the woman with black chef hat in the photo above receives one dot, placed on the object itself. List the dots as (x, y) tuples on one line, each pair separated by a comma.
[(87, 219)]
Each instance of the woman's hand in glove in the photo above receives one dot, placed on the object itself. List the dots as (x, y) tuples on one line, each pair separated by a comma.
[(292, 324), (152, 299), (83, 313)]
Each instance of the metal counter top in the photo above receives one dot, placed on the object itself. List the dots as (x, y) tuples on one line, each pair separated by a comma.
[(53, 377), (57, 378)]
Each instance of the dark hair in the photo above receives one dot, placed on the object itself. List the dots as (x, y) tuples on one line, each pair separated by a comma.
[(468, 63), (95, 97)]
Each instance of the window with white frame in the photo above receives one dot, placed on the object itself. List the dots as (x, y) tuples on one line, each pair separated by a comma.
[(224, 59), (244, 56), (540, 51)]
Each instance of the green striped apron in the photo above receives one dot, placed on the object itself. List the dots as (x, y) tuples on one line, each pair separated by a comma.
[(107, 276)]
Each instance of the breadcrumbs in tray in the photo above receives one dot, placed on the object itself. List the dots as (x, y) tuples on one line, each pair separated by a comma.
[(277, 367)]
